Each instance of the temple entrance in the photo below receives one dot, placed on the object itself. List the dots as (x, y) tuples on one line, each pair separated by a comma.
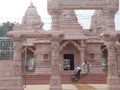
[(68, 61)]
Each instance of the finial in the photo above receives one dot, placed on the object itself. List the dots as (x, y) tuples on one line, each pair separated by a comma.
[(31, 2)]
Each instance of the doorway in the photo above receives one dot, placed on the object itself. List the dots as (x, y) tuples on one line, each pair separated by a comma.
[(68, 61)]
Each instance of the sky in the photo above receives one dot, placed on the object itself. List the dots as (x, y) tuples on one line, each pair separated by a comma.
[(14, 10)]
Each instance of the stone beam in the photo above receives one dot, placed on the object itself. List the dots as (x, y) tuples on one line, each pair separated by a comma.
[(82, 4), (87, 4)]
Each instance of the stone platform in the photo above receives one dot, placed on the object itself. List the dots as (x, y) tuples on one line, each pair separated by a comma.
[(69, 87)]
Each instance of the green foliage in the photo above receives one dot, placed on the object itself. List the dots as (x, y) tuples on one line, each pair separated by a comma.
[(6, 27)]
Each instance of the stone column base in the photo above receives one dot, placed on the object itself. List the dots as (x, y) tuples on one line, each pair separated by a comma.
[(113, 83), (55, 88), (11, 88), (10, 83), (55, 83), (113, 87)]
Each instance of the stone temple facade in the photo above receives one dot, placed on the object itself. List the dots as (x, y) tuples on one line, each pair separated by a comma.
[(67, 44)]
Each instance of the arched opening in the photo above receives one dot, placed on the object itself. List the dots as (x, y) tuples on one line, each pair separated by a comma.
[(104, 58), (70, 55), (28, 60)]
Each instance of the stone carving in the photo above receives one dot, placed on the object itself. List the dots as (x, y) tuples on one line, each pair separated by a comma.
[(53, 4), (114, 81), (17, 70), (55, 69), (37, 26), (113, 3), (69, 13), (16, 83), (113, 69), (17, 45), (55, 46), (112, 46), (54, 82), (67, 42), (51, 8)]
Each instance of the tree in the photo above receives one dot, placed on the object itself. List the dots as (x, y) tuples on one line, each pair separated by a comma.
[(6, 27)]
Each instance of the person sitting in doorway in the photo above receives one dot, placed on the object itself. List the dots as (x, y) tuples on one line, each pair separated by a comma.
[(66, 67)]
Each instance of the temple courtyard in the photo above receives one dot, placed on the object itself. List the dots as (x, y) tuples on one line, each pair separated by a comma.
[(69, 87)]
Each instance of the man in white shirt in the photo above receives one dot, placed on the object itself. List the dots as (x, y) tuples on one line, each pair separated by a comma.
[(86, 67), (77, 71)]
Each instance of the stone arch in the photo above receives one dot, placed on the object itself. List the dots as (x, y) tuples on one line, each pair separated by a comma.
[(72, 42)]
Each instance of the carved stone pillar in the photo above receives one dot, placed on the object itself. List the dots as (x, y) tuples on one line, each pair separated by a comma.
[(118, 57), (82, 54), (55, 80), (17, 57), (110, 35), (38, 58), (39, 54), (55, 11), (113, 80), (17, 62), (55, 21)]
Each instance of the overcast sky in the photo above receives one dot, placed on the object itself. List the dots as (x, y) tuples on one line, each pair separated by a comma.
[(14, 10)]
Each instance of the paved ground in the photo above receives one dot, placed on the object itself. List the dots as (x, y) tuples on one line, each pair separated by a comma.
[(69, 87)]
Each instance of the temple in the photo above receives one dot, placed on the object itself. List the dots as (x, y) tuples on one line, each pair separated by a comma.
[(56, 52)]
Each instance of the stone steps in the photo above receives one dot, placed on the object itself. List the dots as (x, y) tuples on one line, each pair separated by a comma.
[(66, 79)]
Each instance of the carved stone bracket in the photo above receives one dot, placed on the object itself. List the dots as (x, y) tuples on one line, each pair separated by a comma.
[(109, 14), (17, 37), (111, 3), (54, 7)]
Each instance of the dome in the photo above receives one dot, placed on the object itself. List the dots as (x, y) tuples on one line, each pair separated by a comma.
[(31, 20)]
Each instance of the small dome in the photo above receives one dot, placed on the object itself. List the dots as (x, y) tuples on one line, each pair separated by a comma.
[(31, 11), (31, 20)]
